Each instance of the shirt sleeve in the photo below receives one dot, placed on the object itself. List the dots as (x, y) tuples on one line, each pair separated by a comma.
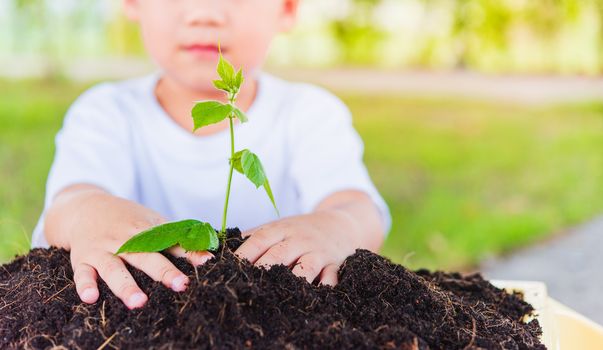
[(326, 152), (92, 147)]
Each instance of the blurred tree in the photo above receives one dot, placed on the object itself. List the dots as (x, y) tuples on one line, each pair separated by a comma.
[(480, 25), (488, 35), (52, 29), (28, 16), (31, 20), (524, 34), (123, 37), (357, 34)]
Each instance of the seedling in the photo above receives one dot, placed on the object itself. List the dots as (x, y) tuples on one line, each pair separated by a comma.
[(194, 235)]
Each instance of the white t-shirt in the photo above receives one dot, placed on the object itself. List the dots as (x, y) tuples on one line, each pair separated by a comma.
[(118, 137)]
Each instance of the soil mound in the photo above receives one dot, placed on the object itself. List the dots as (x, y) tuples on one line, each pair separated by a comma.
[(233, 305)]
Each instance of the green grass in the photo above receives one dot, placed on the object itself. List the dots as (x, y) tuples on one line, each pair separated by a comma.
[(30, 115), (464, 179)]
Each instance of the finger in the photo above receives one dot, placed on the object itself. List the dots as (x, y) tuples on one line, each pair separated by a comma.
[(308, 267), (258, 243), (249, 232), (159, 268), (199, 258), (84, 277), (196, 258), (280, 253), (328, 276), (113, 271)]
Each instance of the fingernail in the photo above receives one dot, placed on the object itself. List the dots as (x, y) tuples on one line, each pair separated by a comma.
[(179, 283), (137, 300), (202, 259), (89, 295)]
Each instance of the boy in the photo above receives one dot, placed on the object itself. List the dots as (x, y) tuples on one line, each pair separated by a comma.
[(126, 160)]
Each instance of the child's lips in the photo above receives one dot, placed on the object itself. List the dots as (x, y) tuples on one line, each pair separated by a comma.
[(202, 51)]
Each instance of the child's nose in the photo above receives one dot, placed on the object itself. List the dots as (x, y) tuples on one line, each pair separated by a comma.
[(205, 12)]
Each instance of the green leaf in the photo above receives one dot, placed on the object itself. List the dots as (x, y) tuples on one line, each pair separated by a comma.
[(200, 237), (236, 161), (226, 71), (210, 112), (269, 193), (252, 168), (190, 234), (238, 81), (221, 85), (158, 238), (241, 115)]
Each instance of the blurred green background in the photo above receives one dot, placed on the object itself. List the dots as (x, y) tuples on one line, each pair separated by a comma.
[(532, 36), (466, 177)]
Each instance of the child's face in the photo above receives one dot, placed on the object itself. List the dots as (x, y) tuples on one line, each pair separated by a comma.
[(182, 36)]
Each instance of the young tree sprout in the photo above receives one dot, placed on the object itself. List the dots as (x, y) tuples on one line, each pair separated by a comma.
[(194, 235)]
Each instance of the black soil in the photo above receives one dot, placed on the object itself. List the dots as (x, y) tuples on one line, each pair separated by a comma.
[(234, 305)]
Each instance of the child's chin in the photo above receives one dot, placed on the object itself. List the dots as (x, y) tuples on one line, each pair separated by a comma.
[(202, 82), (197, 76)]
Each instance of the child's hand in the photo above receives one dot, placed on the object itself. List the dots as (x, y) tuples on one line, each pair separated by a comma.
[(93, 225), (316, 244), (92, 254)]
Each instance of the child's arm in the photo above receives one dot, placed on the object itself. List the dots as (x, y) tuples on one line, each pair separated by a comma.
[(93, 224), (317, 243)]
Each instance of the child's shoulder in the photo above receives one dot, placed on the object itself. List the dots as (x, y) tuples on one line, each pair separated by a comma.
[(109, 104), (116, 91), (296, 90), (306, 98)]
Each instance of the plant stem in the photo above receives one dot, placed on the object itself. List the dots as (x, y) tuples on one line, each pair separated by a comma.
[(222, 234)]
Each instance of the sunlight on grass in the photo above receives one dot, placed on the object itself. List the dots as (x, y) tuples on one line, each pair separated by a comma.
[(466, 180)]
